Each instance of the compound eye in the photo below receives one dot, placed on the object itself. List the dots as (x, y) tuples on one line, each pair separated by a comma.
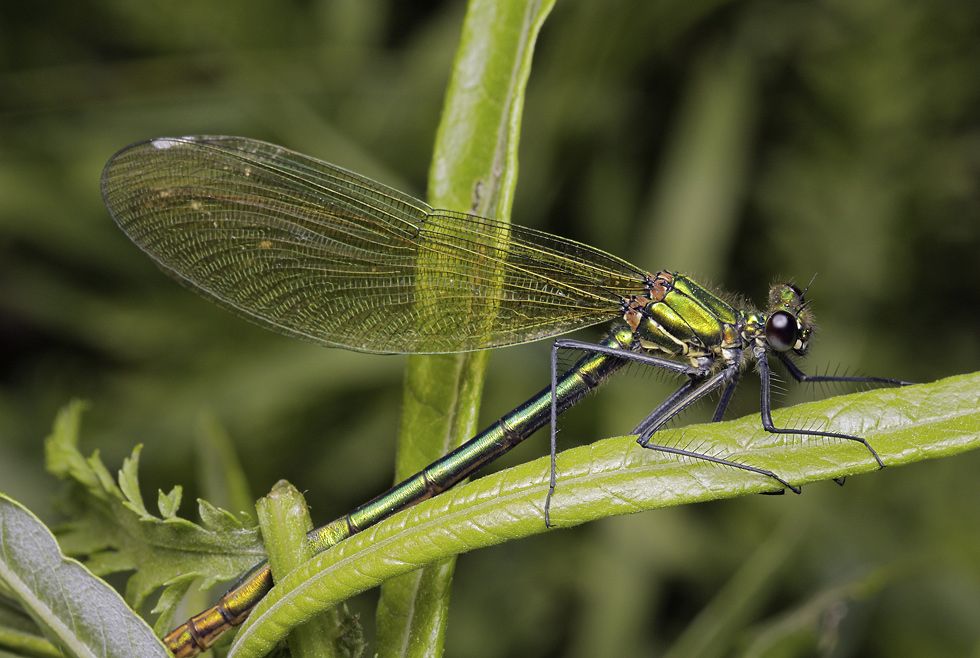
[(782, 331)]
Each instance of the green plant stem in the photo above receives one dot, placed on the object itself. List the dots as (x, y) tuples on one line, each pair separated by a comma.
[(285, 519), (474, 168)]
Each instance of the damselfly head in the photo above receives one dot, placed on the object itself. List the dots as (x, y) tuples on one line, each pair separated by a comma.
[(789, 322)]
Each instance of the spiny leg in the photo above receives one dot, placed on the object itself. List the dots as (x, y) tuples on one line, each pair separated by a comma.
[(804, 378), (689, 393), (761, 356), (653, 419), (630, 355), (654, 416), (726, 397)]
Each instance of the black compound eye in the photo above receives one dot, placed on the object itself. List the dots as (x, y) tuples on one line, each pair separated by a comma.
[(782, 331)]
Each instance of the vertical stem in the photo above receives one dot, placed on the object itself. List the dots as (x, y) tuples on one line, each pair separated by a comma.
[(474, 169)]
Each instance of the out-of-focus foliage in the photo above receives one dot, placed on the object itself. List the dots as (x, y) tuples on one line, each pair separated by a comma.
[(740, 141)]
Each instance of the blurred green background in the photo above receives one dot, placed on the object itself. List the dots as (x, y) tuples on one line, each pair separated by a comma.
[(744, 142)]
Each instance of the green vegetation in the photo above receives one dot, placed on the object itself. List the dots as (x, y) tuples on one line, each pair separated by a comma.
[(743, 142)]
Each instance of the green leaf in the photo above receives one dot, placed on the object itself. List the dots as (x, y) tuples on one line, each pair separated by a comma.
[(77, 610), (615, 476), (169, 503), (112, 528), (128, 482), (474, 168), (167, 604)]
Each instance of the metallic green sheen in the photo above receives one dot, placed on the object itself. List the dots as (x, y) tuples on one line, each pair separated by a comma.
[(708, 300), (689, 320)]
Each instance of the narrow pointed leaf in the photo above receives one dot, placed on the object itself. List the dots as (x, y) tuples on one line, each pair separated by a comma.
[(615, 476)]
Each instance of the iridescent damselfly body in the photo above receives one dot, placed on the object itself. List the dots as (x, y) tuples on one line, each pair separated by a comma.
[(316, 252)]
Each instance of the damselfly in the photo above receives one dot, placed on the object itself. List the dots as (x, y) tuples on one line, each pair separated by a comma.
[(316, 252)]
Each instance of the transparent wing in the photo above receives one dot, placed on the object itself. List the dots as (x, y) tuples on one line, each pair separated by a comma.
[(313, 251)]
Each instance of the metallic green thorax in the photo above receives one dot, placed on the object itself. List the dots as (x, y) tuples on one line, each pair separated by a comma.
[(682, 318)]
